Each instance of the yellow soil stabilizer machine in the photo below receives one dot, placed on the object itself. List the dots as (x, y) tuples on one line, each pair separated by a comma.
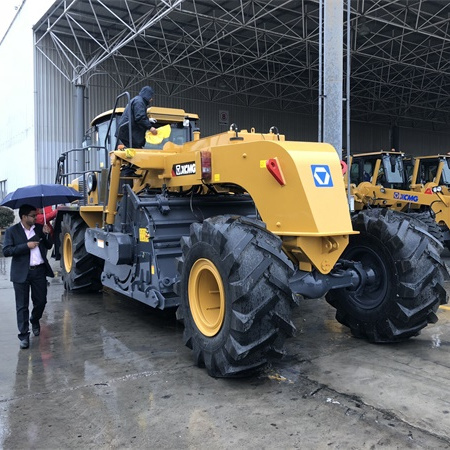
[(233, 230)]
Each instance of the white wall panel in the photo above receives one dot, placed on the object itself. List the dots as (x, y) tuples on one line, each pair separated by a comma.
[(54, 117), (17, 97)]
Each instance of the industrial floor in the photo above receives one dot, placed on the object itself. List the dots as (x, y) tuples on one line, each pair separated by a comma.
[(107, 372)]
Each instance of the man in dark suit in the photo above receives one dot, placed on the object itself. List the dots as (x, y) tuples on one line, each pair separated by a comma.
[(28, 243)]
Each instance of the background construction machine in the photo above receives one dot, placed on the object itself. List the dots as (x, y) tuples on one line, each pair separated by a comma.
[(232, 230), (422, 170), (412, 185)]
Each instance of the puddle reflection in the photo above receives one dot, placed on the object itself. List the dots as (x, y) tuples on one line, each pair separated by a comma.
[(89, 345)]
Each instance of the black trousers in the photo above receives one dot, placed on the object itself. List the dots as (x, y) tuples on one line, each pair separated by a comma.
[(37, 282)]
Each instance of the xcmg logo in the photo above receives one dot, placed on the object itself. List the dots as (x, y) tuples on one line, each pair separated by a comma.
[(321, 175), (405, 197), (179, 170)]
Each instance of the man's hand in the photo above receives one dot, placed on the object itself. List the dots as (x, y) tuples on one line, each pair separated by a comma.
[(32, 244), (153, 130), (46, 229)]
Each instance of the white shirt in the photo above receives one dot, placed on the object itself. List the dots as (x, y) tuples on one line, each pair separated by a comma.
[(35, 253)]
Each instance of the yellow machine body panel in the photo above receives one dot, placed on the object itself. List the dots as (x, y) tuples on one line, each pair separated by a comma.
[(92, 215), (304, 207), (298, 208), (295, 198)]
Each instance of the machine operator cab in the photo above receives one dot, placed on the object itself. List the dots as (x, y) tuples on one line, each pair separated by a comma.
[(182, 126), (179, 128), (434, 169), (384, 168), (100, 140)]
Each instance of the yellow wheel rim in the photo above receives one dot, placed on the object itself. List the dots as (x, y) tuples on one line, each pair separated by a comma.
[(67, 252), (206, 297)]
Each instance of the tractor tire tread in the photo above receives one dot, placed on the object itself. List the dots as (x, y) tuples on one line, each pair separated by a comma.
[(260, 301), (418, 279)]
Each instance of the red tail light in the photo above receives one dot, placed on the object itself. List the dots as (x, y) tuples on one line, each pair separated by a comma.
[(205, 158)]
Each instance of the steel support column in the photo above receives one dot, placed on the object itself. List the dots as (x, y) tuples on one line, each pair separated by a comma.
[(79, 122), (333, 70)]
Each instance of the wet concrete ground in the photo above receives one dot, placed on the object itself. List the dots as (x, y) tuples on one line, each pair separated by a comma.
[(107, 372)]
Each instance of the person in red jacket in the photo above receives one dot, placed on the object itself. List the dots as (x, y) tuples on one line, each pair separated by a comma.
[(50, 214)]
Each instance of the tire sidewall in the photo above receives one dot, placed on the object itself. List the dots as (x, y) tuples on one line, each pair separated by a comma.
[(208, 343), (85, 272)]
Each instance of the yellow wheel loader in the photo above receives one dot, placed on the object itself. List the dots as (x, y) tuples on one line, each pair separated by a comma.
[(233, 230)]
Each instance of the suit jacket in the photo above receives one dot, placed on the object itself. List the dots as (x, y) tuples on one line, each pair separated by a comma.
[(15, 245)]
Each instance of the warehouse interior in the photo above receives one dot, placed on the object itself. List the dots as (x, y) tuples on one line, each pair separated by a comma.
[(262, 53)]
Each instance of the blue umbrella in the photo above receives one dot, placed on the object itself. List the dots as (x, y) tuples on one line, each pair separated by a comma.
[(41, 195)]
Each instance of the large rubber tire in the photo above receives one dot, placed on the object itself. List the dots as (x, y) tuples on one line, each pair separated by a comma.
[(81, 271), (431, 225), (446, 239), (235, 300), (409, 278)]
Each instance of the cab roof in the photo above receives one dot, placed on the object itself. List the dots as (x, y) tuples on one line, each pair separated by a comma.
[(164, 115), (438, 156), (381, 152)]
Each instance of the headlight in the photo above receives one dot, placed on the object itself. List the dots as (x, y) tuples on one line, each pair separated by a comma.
[(91, 182)]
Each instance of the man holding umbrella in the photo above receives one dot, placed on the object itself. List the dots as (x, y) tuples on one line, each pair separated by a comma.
[(27, 243)]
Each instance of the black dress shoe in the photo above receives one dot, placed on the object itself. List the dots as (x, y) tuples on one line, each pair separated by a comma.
[(36, 330), (25, 343)]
